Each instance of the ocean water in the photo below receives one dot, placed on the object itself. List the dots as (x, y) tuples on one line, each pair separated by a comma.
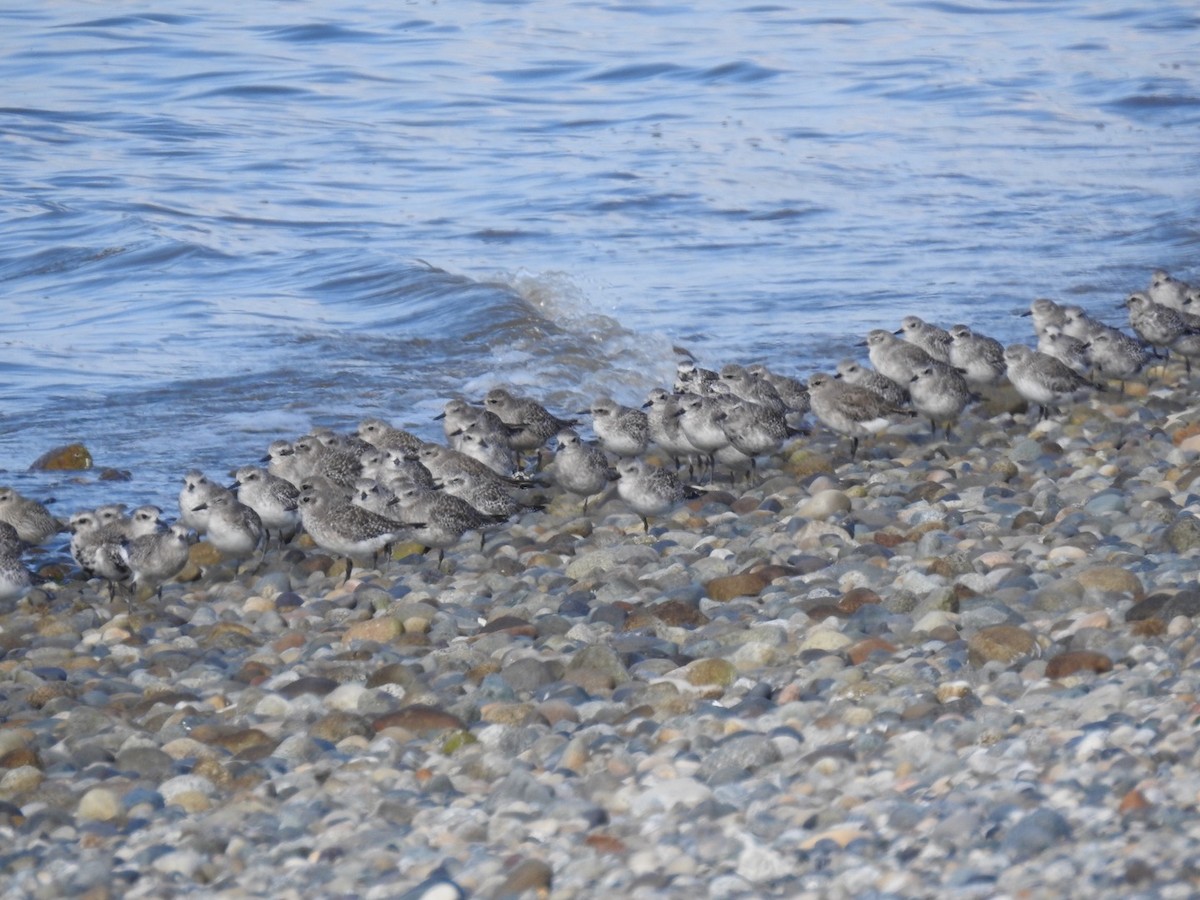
[(223, 224)]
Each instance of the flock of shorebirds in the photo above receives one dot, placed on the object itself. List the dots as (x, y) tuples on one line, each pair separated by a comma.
[(358, 494)]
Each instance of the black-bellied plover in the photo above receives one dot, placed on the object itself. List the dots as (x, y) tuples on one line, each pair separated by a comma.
[(979, 357), (15, 579), (850, 409), (1167, 290), (156, 558), (444, 462), (275, 499), (336, 440), (662, 419), (754, 430), (313, 457), (1159, 326), (940, 393), (1078, 324), (348, 530), (1071, 352), (691, 379), (374, 496), (853, 372), (458, 415), (490, 497), (700, 419), (495, 454), (98, 555), (744, 384), (193, 499), (531, 425), (1114, 354), (281, 462), (933, 340), (32, 521), (445, 518), (792, 391), (233, 527), (894, 358), (381, 434), (1044, 311), (649, 490), (579, 468), (621, 430), (1042, 379), (403, 466)]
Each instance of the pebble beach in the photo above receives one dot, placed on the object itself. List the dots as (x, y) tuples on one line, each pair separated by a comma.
[(962, 667)]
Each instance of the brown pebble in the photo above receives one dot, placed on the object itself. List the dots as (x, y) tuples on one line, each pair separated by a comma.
[(1002, 643), (1113, 579), (726, 588), (554, 711), (823, 611), (1073, 661), (394, 673), (420, 719), (203, 553), (289, 641), (21, 756), (711, 671), (856, 598), (307, 684), (670, 612), (527, 875), (1132, 802), (890, 539), (72, 457), (605, 843), (1148, 627), (476, 674), (51, 690), (382, 630), (508, 624), (339, 725), (236, 741), (864, 649)]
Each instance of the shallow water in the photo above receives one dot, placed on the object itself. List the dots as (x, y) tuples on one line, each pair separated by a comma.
[(222, 226)]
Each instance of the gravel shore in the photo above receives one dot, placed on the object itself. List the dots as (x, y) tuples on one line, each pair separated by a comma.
[(960, 668)]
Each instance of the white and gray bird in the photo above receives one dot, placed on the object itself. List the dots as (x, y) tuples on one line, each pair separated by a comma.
[(579, 468), (444, 517), (894, 358), (97, 554), (852, 372), (1041, 379), (153, 559), (1166, 290), (275, 499), (233, 527), (662, 420), (15, 579), (940, 393), (34, 523), (850, 409), (1045, 312), (387, 437), (933, 340), (649, 490), (530, 424), (348, 530), (1071, 352), (980, 358), (621, 430), (1114, 354), (193, 499)]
